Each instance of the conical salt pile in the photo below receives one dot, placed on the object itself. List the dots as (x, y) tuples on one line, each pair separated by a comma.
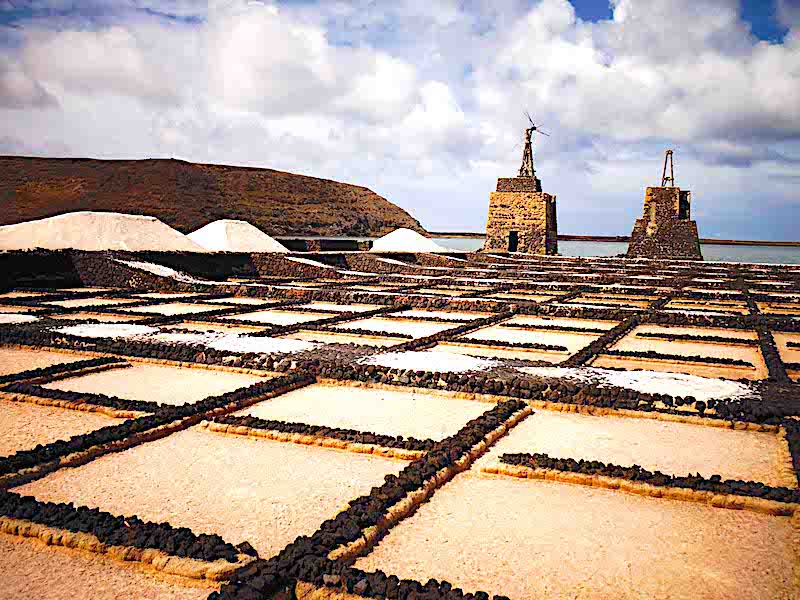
[(228, 235), (406, 240), (95, 231)]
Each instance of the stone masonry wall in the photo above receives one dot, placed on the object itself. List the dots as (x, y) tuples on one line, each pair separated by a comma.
[(660, 233), (531, 214)]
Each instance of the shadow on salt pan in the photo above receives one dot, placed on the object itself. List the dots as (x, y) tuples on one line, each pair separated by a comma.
[(650, 382), (429, 361)]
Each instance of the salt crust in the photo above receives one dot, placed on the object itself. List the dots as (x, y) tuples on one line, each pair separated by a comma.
[(386, 412), (242, 488), (278, 317), (442, 314), (173, 308), (515, 538), (308, 261), (13, 318), (163, 271), (16, 360), (406, 240), (24, 425), (32, 569), (413, 328), (333, 307), (650, 382), (429, 361), (85, 230), (229, 235), (112, 330), (156, 383), (235, 342), (674, 448)]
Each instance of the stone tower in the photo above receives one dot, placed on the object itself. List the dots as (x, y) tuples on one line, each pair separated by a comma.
[(666, 230), (522, 218)]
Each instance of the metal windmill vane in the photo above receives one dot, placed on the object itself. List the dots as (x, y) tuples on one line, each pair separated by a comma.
[(526, 170)]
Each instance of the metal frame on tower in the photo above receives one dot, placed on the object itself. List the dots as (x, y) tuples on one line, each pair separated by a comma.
[(671, 178)]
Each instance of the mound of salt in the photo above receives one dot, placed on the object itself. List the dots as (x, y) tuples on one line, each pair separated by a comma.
[(406, 240), (228, 235), (95, 231)]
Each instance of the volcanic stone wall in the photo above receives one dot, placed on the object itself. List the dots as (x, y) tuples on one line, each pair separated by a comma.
[(520, 206), (665, 230)]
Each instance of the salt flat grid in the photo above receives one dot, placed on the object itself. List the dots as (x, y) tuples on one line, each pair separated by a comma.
[(750, 343)]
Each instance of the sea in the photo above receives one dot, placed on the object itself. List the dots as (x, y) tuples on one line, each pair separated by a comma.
[(785, 255)]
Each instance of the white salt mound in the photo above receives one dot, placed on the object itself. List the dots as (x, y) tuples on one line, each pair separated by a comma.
[(650, 382), (228, 235), (95, 231), (11, 318), (406, 240)]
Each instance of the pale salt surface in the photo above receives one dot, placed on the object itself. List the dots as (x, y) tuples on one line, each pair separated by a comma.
[(497, 352), (213, 327), (173, 308), (260, 345), (23, 425), (694, 368), (414, 328), (573, 341), (31, 569), (242, 488), (443, 315), (561, 322), (741, 334), (429, 361), (672, 448), (102, 317), (279, 317), (228, 235), (536, 539), (406, 240), (386, 412), (333, 307), (308, 261), (81, 302), (788, 355), (335, 337), (651, 382), (16, 360), (112, 330), (157, 383), (85, 230), (16, 318), (632, 342), (163, 271), (240, 300), (162, 295)]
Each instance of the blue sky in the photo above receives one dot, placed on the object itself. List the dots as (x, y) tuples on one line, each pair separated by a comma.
[(423, 100)]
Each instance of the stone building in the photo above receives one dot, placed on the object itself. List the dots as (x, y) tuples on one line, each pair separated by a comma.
[(522, 218), (666, 229)]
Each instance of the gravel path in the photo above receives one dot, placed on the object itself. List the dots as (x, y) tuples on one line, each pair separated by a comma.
[(157, 383), (241, 488), (674, 448), (23, 425), (386, 412), (534, 539), (30, 569)]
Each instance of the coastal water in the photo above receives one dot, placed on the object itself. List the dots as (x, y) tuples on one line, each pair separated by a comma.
[(711, 252)]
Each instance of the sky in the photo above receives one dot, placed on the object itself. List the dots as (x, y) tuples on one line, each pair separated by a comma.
[(423, 101)]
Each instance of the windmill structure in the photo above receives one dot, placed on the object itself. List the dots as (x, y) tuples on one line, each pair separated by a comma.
[(527, 170), (522, 218)]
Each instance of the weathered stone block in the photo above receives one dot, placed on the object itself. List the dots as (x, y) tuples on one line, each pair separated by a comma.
[(521, 221), (665, 230)]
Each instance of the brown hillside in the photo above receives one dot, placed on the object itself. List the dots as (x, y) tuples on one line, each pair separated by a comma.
[(187, 195)]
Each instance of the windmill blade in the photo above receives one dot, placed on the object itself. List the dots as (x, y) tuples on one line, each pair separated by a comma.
[(543, 133), (527, 114)]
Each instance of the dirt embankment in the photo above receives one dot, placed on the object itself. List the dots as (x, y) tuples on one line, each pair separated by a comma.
[(187, 196)]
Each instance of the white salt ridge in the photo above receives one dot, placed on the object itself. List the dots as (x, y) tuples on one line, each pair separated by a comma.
[(85, 230), (14, 318), (650, 382), (260, 345), (308, 261), (406, 240), (163, 271), (228, 235), (429, 361), (112, 330)]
